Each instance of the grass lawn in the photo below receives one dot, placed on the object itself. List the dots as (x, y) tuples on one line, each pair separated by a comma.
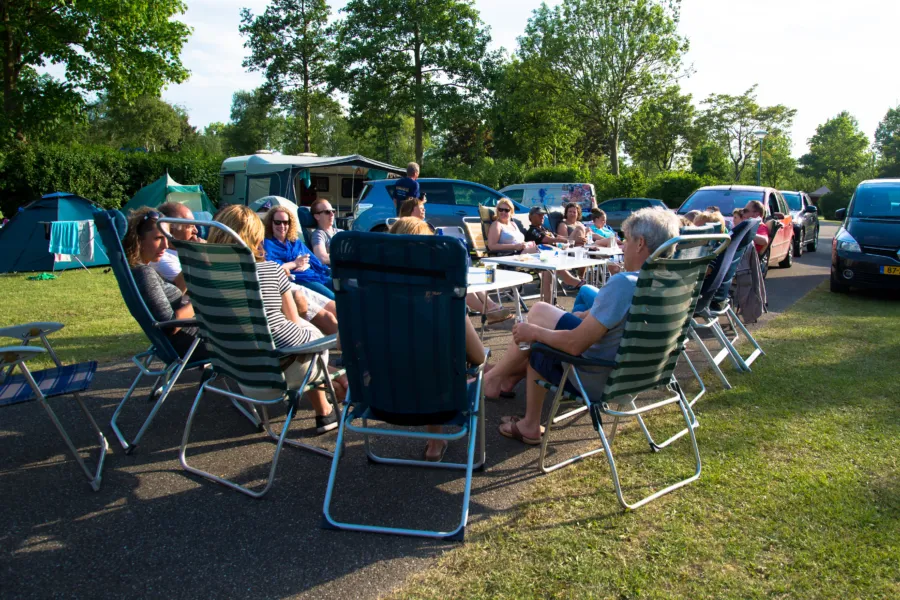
[(98, 326), (799, 496)]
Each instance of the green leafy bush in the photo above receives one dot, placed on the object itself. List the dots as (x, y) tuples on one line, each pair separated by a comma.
[(832, 201), (674, 187)]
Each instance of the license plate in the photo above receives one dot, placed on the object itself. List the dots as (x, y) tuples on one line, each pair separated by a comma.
[(890, 270)]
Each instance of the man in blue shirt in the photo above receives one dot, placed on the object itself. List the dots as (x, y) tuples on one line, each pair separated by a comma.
[(407, 187), (594, 333)]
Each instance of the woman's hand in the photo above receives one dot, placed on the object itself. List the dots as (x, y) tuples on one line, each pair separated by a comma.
[(525, 332), (302, 262)]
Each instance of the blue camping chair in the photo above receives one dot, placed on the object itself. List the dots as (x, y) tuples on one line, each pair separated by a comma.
[(307, 224), (48, 383), (111, 225), (401, 309)]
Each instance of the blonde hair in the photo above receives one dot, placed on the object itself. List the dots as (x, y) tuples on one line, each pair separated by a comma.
[(507, 202), (409, 205), (411, 226), (710, 217), (293, 231), (244, 222), (131, 243)]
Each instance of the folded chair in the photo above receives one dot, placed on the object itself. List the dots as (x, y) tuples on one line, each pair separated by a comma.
[(224, 288), (111, 226), (401, 318), (49, 383), (715, 288), (655, 328)]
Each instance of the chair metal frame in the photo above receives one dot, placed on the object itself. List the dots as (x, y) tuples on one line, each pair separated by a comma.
[(599, 409), (15, 356), (291, 397)]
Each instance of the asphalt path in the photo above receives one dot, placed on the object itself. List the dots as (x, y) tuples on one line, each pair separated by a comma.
[(155, 531)]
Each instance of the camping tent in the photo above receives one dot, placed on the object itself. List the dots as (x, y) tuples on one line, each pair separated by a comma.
[(166, 189), (270, 202), (24, 242)]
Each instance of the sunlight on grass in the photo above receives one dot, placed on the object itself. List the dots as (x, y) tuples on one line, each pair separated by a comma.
[(799, 497), (98, 326)]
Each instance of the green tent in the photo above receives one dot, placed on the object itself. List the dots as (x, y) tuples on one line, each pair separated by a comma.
[(166, 189)]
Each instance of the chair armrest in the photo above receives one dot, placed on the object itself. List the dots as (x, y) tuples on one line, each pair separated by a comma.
[(320, 345), (30, 330), (10, 355), (578, 361), (177, 323)]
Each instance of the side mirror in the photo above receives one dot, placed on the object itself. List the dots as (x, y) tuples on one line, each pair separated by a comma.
[(840, 214), (812, 209)]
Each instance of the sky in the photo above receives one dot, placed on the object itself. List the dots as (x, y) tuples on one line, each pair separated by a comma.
[(817, 56)]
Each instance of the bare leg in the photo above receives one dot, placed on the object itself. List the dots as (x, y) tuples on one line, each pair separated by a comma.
[(530, 425), (319, 402), (325, 321), (302, 304), (475, 302), (434, 448), (547, 282)]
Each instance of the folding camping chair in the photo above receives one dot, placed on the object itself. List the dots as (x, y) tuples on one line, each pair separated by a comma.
[(402, 309), (111, 226), (716, 287), (49, 383), (224, 288), (657, 323)]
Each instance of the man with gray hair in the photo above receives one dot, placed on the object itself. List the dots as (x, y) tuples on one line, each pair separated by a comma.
[(407, 187), (594, 333), (169, 267)]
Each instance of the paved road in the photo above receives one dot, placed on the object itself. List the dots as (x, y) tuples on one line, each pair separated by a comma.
[(155, 531)]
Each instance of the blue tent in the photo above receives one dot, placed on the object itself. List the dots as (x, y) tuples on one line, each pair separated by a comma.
[(24, 241)]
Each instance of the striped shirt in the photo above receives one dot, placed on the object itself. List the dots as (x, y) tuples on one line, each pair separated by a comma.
[(273, 282)]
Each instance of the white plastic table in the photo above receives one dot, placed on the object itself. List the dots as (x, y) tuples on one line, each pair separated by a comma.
[(553, 264), (503, 279)]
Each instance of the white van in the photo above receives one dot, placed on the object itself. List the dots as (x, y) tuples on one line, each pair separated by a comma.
[(553, 196), (300, 179)]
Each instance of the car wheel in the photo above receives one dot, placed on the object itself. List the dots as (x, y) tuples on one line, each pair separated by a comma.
[(764, 262), (789, 259), (798, 244), (838, 288), (814, 243)]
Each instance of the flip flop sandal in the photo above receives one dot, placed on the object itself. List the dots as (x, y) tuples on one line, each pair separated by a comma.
[(517, 418), (439, 458), (515, 434)]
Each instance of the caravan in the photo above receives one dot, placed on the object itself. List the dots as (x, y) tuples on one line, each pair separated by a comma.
[(301, 178)]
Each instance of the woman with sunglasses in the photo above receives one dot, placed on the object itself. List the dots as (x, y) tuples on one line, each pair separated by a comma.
[(284, 246), (145, 244), (505, 234), (323, 213)]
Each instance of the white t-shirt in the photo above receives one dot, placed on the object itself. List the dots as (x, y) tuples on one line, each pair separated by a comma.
[(169, 267)]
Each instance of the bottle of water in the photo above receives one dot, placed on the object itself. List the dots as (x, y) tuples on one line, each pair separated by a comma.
[(521, 319)]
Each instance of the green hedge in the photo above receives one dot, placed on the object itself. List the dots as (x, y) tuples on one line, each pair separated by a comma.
[(106, 176)]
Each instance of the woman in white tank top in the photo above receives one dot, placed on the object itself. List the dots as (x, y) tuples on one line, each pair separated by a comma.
[(504, 235)]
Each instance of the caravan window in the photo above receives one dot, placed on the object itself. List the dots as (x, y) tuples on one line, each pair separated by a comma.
[(228, 185), (351, 188), (321, 184)]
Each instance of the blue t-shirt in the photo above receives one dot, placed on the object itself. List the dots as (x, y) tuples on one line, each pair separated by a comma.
[(287, 251), (405, 188), (606, 231), (610, 308)]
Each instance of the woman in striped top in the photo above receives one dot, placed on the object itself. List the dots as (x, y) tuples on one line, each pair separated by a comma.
[(287, 328)]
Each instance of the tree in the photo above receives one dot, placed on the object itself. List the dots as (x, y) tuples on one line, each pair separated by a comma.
[(409, 57), (660, 130), (887, 143), (778, 166), (610, 54), (256, 123), (730, 121), (290, 44), (149, 122), (125, 49), (838, 149), (329, 129)]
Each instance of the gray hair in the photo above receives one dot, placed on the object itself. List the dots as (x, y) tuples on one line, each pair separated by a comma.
[(655, 225), (412, 168)]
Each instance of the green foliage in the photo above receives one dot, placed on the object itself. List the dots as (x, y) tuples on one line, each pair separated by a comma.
[(106, 176), (887, 143), (559, 174), (730, 121), (628, 184), (289, 42), (149, 122), (256, 123), (836, 151), (487, 171), (674, 187), (778, 166), (832, 201), (124, 49), (400, 58), (603, 74), (709, 160), (660, 130)]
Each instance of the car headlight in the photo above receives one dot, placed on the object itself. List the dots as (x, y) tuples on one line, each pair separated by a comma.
[(360, 209), (846, 242)]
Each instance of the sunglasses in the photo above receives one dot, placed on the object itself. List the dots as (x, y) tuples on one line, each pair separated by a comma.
[(325, 212), (277, 222), (148, 220), (502, 210)]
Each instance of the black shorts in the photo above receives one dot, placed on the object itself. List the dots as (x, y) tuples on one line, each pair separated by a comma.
[(550, 367)]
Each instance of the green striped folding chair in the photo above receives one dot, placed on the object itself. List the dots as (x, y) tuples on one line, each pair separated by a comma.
[(655, 329), (224, 289)]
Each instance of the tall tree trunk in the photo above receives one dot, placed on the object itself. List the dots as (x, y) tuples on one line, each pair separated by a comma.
[(614, 149), (419, 125), (306, 107)]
